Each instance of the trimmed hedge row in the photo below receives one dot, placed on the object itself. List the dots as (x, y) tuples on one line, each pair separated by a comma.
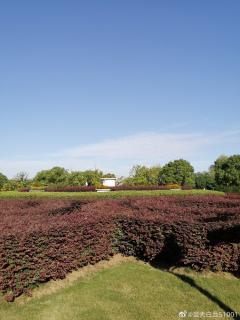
[(70, 188), (44, 239), (59, 188), (146, 187)]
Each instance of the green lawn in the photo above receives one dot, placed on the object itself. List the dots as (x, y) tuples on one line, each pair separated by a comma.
[(129, 290), (113, 194)]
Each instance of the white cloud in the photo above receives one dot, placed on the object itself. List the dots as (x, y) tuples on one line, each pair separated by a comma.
[(120, 154), (142, 146)]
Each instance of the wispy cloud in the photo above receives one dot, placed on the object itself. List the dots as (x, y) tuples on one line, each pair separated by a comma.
[(144, 145), (120, 154)]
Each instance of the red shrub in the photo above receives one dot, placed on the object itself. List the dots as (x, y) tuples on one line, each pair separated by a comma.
[(144, 187), (70, 189), (45, 239), (186, 187), (232, 195), (24, 189)]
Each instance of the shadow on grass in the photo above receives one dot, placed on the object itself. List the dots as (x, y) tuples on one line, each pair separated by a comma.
[(207, 294), (166, 266)]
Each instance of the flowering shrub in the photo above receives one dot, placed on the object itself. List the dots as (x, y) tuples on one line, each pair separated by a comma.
[(44, 239)]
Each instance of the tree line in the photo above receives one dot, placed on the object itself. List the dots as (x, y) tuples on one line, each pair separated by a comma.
[(54, 176), (224, 175)]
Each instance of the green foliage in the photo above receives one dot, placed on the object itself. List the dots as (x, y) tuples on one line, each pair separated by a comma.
[(227, 172), (109, 175), (93, 177), (76, 178), (205, 180), (3, 180), (153, 174), (11, 185), (177, 171), (60, 176), (56, 175), (22, 179), (142, 175)]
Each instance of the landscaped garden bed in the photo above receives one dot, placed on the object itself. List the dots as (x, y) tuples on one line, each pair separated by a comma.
[(44, 239)]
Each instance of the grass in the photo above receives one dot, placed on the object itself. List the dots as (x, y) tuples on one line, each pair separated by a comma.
[(113, 194), (127, 290)]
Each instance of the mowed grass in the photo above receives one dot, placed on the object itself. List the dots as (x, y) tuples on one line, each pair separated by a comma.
[(113, 194), (126, 291)]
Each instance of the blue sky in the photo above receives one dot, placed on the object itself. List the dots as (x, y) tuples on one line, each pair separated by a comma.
[(109, 84)]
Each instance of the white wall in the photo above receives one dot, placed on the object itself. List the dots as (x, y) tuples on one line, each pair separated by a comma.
[(107, 182)]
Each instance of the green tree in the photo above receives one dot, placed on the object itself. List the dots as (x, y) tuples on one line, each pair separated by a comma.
[(93, 177), (142, 175), (22, 179), (3, 180), (138, 174), (227, 171), (153, 175), (205, 180), (76, 178), (177, 171), (56, 175), (11, 185), (109, 175)]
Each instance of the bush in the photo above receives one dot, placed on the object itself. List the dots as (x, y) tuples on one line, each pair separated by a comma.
[(146, 187), (141, 187), (58, 188), (170, 186), (44, 239), (11, 185), (24, 189), (233, 195), (228, 189), (37, 188), (187, 187)]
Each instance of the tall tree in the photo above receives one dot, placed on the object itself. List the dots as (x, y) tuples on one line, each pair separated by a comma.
[(227, 171), (93, 177), (205, 180), (3, 180), (76, 178), (177, 171), (56, 175), (142, 175)]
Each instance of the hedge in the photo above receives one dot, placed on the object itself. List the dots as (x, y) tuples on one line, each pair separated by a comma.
[(146, 187), (124, 187), (44, 239), (59, 188)]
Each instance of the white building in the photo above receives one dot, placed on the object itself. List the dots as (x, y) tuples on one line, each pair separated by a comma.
[(108, 182)]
